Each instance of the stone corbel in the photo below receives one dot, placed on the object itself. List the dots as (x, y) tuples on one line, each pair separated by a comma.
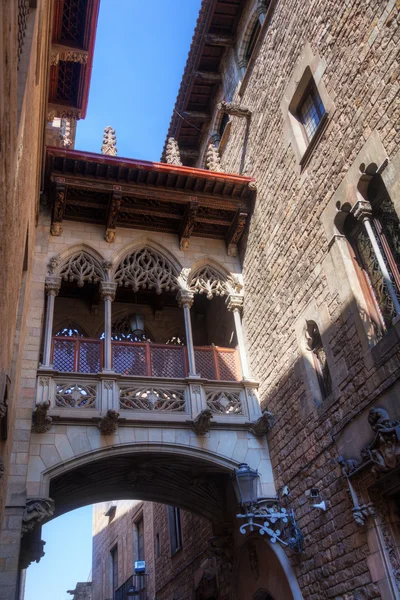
[(201, 424), (66, 54), (32, 548), (36, 510), (109, 423), (235, 109), (41, 421), (263, 424)]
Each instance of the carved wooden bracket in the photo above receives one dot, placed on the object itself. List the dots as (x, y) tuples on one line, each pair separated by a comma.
[(112, 216), (188, 223), (58, 211), (235, 232)]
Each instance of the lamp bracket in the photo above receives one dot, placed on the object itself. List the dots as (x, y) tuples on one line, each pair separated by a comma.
[(271, 516)]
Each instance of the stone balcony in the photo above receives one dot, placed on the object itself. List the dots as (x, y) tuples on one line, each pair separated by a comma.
[(148, 382)]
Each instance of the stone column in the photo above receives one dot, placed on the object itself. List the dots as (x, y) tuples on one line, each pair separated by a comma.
[(234, 303), (185, 299), (107, 291), (53, 285), (362, 211)]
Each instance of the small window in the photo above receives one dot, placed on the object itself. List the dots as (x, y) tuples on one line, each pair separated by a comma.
[(158, 546), (253, 40), (311, 111), (114, 567), (223, 124), (174, 529), (319, 357)]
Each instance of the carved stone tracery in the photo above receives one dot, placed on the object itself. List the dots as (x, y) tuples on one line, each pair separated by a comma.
[(208, 281), (81, 267), (146, 268), (75, 395), (157, 399), (226, 403)]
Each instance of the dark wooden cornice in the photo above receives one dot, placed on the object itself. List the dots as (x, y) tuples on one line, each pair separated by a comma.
[(120, 192), (73, 40), (215, 31)]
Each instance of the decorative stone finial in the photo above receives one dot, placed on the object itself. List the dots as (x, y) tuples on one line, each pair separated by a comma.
[(109, 423), (172, 153), (41, 421), (109, 142), (201, 424), (213, 159)]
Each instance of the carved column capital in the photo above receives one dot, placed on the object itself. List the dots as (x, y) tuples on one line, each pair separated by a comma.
[(36, 510), (108, 290), (185, 298), (52, 285), (362, 210), (234, 302)]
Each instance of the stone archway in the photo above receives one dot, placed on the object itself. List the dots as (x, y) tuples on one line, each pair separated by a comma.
[(263, 572)]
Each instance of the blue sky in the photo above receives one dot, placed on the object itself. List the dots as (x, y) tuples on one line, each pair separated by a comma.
[(141, 50)]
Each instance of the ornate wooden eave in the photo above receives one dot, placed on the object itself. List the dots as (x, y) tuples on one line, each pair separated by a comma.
[(215, 31), (119, 192), (73, 39)]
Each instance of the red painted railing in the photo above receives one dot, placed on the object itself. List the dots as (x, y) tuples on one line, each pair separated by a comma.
[(85, 355)]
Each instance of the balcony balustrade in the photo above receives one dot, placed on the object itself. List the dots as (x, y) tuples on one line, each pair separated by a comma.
[(148, 382), (85, 355)]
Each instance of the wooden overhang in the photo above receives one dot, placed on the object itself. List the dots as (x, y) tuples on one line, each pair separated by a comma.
[(120, 192), (215, 30), (73, 39)]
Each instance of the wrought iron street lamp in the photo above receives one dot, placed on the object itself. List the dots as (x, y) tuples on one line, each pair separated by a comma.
[(269, 511), (247, 483)]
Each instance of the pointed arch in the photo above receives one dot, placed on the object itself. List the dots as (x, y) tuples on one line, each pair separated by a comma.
[(79, 264), (147, 266), (210, 278)]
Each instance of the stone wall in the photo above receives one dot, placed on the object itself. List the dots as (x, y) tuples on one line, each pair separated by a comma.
[(290, 270), (22, 119)]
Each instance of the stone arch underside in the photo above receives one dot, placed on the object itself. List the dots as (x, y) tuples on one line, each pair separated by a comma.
[(193, 483)]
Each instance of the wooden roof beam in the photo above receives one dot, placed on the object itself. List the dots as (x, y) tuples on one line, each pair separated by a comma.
[(189, 153), (208, 76), (213, 39), (193, 115)]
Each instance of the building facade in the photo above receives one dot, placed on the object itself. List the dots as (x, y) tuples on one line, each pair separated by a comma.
[(237, 303)]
